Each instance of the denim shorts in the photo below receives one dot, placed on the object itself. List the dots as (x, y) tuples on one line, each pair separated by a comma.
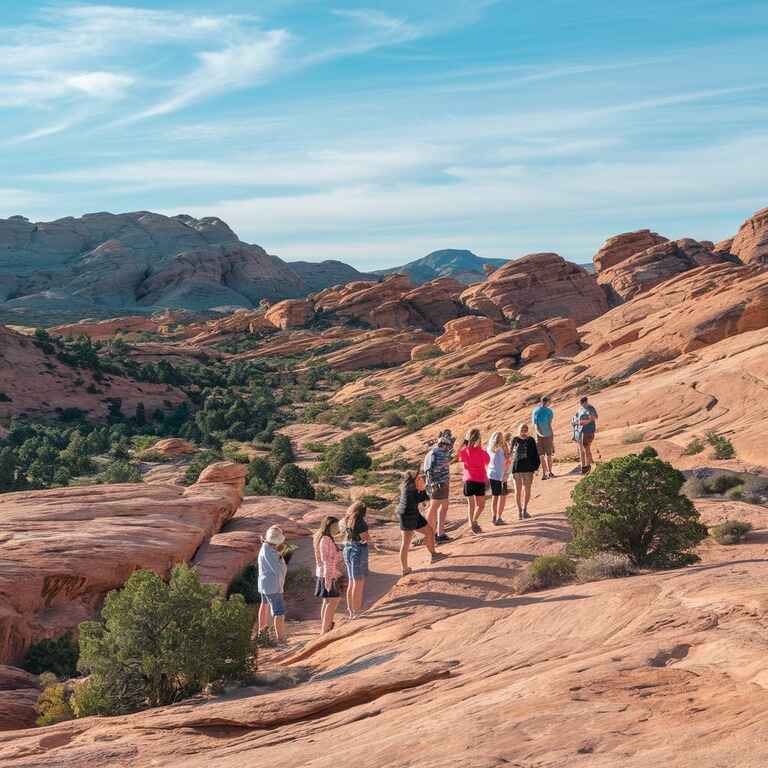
[(276, 603), (356, 559)]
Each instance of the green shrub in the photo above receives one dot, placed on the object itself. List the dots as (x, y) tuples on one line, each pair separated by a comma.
[(257, 487), (282, 451), (516, 377), (58, 656), (293, 482), (649, 452), (234, 455), (154, 457), (246, 583), (120, 472), (159, 642), (346, 456), (633, 506), (723, 447), (391, 419), (427, 354), (755, 489), (53, 705), (325, 493), (431, 371), (696, 445), (730, 532), (362, 477), (374, 502), (735, 494), (314, 447), (143, 442), (548, 571), (695, 488)]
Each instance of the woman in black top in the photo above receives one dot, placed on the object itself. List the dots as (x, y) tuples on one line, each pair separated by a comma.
[(525, 463), (412, 493)]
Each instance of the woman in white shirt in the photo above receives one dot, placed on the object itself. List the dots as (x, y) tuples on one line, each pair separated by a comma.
[(497, 450)]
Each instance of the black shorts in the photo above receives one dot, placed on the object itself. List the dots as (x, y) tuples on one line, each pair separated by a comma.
[(322, 592), (499, 487), (413, 521), (473, 488)]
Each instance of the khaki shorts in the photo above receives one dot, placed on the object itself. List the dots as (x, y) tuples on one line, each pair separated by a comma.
[(587, 438), (526, 477), (546, 445)]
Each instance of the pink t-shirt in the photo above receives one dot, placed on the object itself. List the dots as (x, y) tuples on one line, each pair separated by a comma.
[(327, 559), (475, 460)]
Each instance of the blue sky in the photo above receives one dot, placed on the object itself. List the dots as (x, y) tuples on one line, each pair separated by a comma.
[(322, 129)]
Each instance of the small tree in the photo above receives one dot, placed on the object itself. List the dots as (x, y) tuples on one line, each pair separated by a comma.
[(159, 642), (58, 656), (282, 451), (294, 483), (632, 505)]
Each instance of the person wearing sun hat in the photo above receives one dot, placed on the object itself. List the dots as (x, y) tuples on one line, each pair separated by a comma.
[(272, 570)]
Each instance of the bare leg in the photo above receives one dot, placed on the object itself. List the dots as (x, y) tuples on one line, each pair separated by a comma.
[(351, 597), (429, 538), (432, 511), (329, 610), (527, 493), (588, 454), (518, 494), (502, 504), (358, 591), (480, 506), (494, 507), (405, 545), (582, 454), (280, 629), (263, 616), (471, 503), (442, 513)]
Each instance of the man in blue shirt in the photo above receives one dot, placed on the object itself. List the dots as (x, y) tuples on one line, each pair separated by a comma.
[(587, 420), (541, 419), (437, 473)]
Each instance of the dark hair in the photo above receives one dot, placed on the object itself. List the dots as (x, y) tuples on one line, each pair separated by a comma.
[(355, 512), (545, 398), (583, 399)]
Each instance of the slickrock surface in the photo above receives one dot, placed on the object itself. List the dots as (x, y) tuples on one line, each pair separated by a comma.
[(466, 332), (173, 447), (535, 288), (18, 695), (751, 241), (621, 247), (646, 269), (35, 382), (62, 550)]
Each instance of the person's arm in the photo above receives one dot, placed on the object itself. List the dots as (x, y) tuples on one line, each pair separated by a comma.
[(536, 459), (325, 561)]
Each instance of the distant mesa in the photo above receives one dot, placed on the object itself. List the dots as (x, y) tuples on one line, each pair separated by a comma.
[(461, 265)]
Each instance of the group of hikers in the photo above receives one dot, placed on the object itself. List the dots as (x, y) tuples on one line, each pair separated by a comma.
[(506, 460)]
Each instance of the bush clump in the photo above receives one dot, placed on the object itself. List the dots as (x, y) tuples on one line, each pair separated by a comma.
[(53, 705), (730, 532), (604, 565), (549, 571), (721, 483), (345, 457), (293, 482), (723, 447), (632, 436), (696, 445), (632, 506), (58, 656), (159, 642)]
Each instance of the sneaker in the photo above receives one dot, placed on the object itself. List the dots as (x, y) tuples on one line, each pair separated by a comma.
[(526, 515), (406, 571), (500, 521), (545, 476), (476, 528), (437, 557), (442, 538), (494, 521)]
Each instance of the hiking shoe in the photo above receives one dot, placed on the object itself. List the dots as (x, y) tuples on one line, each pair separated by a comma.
[(442, 538), (475, 528), (526, 515), (494, 521), (500, 521), (437, 557), (587, 469)]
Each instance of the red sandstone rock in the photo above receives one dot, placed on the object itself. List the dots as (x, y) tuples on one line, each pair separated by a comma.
[(535, 352), (751, 241), (621, 247), (535, 288), (62, 550), (466, 332), (173, 447), (291, 313), (425, 351), (643, 270)]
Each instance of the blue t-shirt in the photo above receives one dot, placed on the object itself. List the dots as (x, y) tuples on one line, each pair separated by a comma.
[(587, 412), (272, 570), (542, 420)]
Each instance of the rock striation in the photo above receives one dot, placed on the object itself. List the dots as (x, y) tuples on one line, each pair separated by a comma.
[(621, 247), (466, 332), (645, 269), (535, 288), (290, 313)]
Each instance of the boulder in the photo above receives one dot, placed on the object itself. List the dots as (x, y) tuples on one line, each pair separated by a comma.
[(435, 303), (621, 247), (290, 313), (19, 692), (646, 269), (425, 351), (505, 363), (536, 288), (534, 353), (751, 241), (172, 447), (466, 332), (63, 550)]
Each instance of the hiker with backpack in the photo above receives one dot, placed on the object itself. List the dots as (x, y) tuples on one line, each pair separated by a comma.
[(584, 425), (525, 464)]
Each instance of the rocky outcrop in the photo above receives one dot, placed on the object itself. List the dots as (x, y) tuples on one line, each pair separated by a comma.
[(382, 348), (291, 313), (62, 550), (466, 332), (173, 447), (751, 241), (393, 303), (103, 330), (535, 288), (34, 382), (19, 692), (621, 247), (646, 269)]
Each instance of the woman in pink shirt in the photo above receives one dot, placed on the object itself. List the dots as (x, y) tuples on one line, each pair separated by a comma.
[(475, 460), (327, 571)]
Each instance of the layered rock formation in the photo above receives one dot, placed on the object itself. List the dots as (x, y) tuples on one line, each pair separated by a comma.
[(466, 332), (291, 313), (35, 383), (173, 447), (620, 247), (19, 692), (645, 269), (537, 287), (751, 241), (62, 550)]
